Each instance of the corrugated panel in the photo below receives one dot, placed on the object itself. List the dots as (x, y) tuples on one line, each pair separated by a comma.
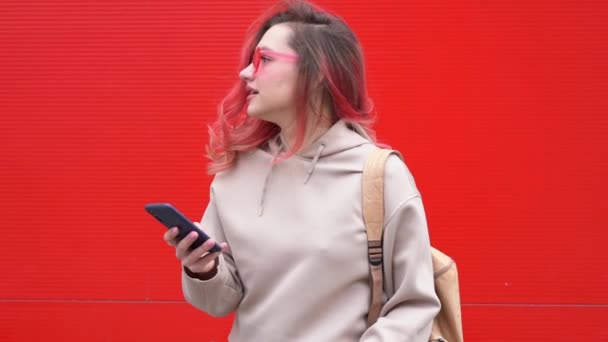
[(535, 323), (499, 109), (108, 321)]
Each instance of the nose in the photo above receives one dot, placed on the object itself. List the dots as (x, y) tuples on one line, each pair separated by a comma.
[(247, 73)]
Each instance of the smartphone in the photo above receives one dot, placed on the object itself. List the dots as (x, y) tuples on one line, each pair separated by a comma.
[(171, 217)]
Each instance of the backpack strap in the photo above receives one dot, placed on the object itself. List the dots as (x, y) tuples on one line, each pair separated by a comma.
[(373, 216)]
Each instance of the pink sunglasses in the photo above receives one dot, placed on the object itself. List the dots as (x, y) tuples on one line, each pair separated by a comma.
[(258, 54)]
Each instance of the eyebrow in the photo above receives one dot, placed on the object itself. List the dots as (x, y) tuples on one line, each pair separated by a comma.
[(265, 48)]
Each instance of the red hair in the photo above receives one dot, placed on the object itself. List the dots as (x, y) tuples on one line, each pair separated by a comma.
[(330, 61)]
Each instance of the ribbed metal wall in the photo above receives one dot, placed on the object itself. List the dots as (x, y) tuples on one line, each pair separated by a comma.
[(499, 108)]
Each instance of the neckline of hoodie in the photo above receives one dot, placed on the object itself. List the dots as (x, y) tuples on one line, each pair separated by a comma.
[(306, 159)]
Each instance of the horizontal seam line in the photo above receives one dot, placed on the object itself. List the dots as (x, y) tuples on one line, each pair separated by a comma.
[(66, 300), (537, 304), (162, 301)]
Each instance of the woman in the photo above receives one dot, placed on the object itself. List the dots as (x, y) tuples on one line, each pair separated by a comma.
[(288, 152)]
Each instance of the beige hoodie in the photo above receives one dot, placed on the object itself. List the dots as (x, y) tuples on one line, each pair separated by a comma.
[(297, 268)]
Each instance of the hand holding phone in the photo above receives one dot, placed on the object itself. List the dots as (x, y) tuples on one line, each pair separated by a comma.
[(171, 217), (196, 250)]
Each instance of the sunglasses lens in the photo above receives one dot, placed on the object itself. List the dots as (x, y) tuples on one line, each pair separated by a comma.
[(256, 60)]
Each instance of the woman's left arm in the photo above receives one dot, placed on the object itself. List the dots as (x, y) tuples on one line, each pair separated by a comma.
[(411, 302)]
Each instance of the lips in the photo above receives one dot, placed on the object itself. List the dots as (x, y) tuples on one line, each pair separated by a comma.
[(251, 91)]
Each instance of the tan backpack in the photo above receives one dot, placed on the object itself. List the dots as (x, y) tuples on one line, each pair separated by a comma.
[(447, 325)]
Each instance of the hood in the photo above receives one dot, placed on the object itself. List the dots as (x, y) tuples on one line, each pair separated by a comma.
[(342, 136)]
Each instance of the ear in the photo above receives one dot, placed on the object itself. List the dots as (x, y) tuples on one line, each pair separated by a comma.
[(321, 103), (318, 84), (315, 96)]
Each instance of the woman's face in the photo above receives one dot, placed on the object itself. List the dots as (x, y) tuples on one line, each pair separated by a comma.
[(272, 86)]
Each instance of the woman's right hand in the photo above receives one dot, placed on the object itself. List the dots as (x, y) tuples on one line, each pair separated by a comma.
[(199, 260)]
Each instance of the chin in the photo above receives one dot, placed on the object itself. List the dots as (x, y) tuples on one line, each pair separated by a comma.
[(263, 113), (254, 112)]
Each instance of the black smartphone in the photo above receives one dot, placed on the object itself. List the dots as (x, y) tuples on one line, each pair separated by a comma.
[(171, 217)]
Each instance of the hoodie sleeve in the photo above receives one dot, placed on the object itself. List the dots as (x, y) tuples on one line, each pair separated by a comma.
[(221, 294), (410, 302)]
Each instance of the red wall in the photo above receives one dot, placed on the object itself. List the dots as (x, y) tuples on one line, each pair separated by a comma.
[(499, 108)]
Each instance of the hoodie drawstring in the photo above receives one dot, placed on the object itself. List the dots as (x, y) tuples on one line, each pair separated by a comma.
[(261, 209), (308, 174), (314, 163)]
